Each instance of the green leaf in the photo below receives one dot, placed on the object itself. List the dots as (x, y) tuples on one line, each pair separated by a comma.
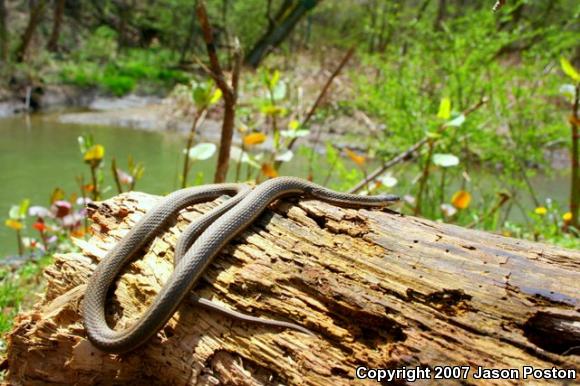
[(293, 124), (198, 179), (23, 208), (273, 81), (569, 69), (433, 134), (273, 110), (388, 180), (85, 142), (238, 154), (445, 160), (216, 96), (285, 157), (201, 96), (279, 92), (202, 151), (332, 155), (13, 213), (457, 121), (294, 133), (444, 108), (82, 144), (568, 90), (18, 212)]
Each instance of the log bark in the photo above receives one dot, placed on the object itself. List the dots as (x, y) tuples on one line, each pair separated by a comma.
[(379, 289)]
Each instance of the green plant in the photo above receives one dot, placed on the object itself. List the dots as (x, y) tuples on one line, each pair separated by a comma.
[(574, 120), (16, 220), (93, 155), (118, 85), (127, 178), (18, 290), (203, 95)]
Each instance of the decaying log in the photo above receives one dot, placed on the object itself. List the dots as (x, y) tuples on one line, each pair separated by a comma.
[(379, 289)]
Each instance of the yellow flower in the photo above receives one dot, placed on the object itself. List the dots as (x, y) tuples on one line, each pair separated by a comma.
[(14, 224), (254, 139), (94, 154), (269, 171), (567, 216), (461, 199), (357, 159), (78, 233), (541, 210)]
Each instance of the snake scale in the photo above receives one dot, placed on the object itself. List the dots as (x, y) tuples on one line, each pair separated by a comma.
[(198, 245)]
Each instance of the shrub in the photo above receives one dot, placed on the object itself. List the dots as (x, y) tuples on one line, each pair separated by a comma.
[(118, 85)]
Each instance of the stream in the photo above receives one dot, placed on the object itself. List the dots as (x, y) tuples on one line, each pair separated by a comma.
[(38, 154)]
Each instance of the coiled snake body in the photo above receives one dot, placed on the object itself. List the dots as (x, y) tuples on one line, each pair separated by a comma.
[(196, 248)]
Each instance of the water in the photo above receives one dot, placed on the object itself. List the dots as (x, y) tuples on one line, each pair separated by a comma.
[(38, 154)]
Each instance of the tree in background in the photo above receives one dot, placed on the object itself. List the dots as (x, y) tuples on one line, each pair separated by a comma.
[(36, 13), (52, 44), (279, 28), (3, 33)]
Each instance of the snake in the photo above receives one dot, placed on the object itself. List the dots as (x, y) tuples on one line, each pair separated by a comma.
[(199, 243)]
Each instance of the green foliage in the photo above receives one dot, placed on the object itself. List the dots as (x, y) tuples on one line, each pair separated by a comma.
[(18, 289), (430, 75), (204, 94), (122, 73), (118, 85), (100, 46)]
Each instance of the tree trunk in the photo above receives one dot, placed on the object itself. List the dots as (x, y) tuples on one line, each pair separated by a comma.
[(36, 13), (124, 12), (378, 289), (52, 44), (441, 14), (189, 39), (229, 91), (289, 14), (575, 161), (226, 138), (372, 9), (3, 33)]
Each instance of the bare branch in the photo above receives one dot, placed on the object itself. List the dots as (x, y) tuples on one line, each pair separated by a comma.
[(407, 153), (229, 91), (318, 101)]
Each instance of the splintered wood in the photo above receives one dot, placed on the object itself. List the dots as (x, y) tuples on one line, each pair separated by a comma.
[(379, 290)]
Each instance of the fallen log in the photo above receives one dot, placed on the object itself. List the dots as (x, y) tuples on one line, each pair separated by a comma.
[(379, 290)]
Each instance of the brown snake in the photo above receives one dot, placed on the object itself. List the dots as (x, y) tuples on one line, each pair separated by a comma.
[(198, 245)]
